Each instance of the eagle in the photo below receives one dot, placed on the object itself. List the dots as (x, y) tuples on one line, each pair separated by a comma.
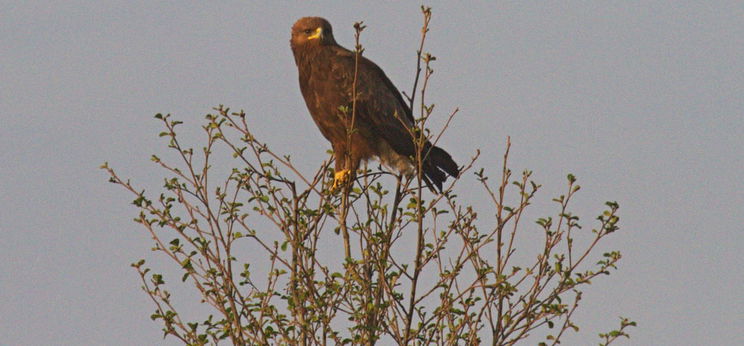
[(383, 125)]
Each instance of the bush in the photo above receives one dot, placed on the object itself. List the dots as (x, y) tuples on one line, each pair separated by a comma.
[(263, 247)]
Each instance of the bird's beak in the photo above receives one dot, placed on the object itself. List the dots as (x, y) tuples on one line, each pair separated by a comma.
[(318, 34)]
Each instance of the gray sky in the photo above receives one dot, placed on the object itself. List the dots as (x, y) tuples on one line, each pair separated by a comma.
[(643, 101)]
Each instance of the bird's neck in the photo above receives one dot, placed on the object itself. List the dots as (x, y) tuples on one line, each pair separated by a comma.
[(312, 49), (306, 56)]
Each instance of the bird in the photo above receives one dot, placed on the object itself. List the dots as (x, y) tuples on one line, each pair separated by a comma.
[(340, 87)]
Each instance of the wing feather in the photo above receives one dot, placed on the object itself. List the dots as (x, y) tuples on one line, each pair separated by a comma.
[(380, 105)]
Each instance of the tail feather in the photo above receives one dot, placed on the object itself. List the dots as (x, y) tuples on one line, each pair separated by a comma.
[(436, 164), (443, 160)]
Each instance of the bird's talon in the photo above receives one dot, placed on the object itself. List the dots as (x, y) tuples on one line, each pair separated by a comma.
[(340, 178)]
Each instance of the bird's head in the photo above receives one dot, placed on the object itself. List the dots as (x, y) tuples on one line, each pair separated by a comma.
[(312, 31)]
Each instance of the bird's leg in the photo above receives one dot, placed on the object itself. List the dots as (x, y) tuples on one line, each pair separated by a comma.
[(342, 173), (345, 170)]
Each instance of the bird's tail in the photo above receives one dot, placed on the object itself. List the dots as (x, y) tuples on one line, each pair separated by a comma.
[(437, 165)]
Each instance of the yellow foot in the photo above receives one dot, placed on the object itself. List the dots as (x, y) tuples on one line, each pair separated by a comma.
[(340, 178)]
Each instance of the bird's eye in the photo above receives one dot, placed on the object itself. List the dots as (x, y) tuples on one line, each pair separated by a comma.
[(308, 31)]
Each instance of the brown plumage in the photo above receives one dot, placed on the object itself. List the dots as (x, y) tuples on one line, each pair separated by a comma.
[(382, 119)]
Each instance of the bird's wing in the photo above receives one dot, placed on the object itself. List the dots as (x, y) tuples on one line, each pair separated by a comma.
[(379, 105)]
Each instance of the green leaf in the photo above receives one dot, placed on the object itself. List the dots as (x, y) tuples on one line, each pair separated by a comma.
[(571, 178), (157, 279)]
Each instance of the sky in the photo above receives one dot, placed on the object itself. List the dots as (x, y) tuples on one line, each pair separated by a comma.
[(643, 101)]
